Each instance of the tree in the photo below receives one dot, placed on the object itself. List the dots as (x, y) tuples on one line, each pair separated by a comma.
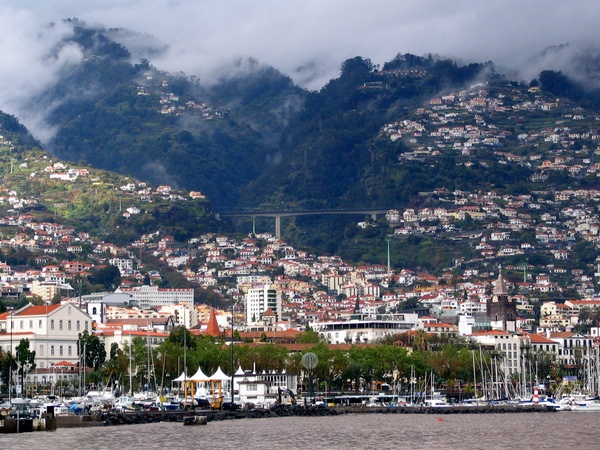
[(308, 337), (25, 358), (110, 369), (114, 351), (7, 363), (181, 335), (108, 276), (92, 349)]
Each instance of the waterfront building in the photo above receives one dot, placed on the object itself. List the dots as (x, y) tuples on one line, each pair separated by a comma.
[(266, 388), (511, 346), (52, 330), (575, 351), (124, 336)]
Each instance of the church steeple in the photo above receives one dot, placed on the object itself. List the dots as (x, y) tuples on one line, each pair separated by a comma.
[(500, 288), (213, 327), (501, 309)]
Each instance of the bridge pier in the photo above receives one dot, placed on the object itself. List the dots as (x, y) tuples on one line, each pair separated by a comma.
[(278, 226)]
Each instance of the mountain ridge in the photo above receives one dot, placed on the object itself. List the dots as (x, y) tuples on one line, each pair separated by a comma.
[(255, 140)]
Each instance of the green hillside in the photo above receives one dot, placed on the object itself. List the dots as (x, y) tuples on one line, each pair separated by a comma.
[(384, 137), (96, 201)]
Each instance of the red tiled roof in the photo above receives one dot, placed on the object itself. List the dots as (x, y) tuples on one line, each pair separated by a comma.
[(562, 334), (491, 333), (38, 310), (65, 363), (539, 339)]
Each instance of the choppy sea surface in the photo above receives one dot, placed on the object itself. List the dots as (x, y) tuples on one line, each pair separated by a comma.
[(353, 431)]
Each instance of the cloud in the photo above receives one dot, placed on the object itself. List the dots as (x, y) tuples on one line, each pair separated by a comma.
[(307, 39)]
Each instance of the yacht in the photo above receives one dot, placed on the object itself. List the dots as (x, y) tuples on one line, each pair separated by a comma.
[(592, 404)]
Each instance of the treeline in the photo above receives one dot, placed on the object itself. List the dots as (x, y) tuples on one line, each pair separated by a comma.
[(449, 358)]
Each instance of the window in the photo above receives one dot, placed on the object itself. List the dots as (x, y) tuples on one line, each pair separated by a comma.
[(86, 325), (78, 325), (21, 324), (60, 324), (30, 324), (41, 350), (60, 350), (40, 323), (52, 350), (52, 324), (252, 387), (69, 325), (69, 352)]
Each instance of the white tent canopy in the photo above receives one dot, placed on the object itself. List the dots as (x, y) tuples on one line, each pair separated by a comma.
[(219, 375), (199, 376), (181, 377)]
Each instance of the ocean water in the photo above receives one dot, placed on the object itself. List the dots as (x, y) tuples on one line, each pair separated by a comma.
[(353, 431)]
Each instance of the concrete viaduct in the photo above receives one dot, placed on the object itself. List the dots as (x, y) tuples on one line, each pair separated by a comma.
[(373, 212)]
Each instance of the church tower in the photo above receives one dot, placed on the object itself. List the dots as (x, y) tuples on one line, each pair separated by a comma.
[(502, 309)]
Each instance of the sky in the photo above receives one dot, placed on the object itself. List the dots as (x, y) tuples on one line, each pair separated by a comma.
[(305, 39)]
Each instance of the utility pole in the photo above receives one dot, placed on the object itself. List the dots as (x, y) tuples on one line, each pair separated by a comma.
[(79, 281)]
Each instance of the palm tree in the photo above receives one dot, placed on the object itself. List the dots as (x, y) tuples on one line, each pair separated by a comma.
[(110, 369), (421, 340)]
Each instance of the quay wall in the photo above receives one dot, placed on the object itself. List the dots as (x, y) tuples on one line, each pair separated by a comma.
[(299, 411), (138, 417)]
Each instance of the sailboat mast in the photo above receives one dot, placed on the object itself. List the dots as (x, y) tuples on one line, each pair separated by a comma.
[(474, 375), (130, 372), (149, 358)]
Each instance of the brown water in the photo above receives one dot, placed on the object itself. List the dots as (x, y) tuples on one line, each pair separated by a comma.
[(563, 430)]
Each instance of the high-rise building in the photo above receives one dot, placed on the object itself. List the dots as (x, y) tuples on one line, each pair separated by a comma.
[(258, 299)]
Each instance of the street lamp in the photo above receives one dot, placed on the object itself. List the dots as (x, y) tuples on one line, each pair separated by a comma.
[(11, 356), (232, 362)]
